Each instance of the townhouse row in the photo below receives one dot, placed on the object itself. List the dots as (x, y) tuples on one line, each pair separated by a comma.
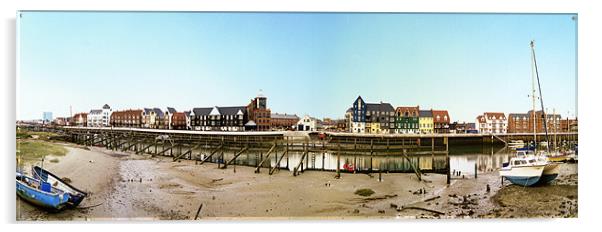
[(383, 118), (498, 123)]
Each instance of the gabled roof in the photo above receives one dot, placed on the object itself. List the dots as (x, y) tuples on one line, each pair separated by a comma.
[(202, 111), (214, 111), (171, 110), (95, 111), (158, 112), (426, 113), (497, 115), (106, 106), (232, 110), (382, 107), (441, 116), (409, 109), (147, 111)]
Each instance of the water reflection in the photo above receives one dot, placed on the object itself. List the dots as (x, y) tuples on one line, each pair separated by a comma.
[(462, 158)]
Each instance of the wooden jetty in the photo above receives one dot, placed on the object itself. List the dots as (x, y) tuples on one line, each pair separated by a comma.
[(278, 145)]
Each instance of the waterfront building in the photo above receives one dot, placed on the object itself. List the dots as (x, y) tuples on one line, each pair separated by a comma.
[(80, 119), (568, 125), (47, 117), (178, 121), (169, 116), (365, 116), (188, 121), (349, 119), (492, 123), (425, 121), (461, 128), (283, 121), (259, 113), (308, 123), (441, 121), (155, 118), (407, 120), (552, 121), (99, 117), (127, 118), (61, 121), (199, 119), (232, 118), (518, 123)]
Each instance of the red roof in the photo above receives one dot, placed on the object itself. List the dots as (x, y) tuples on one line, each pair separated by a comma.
[(497, 115), (440, 116), (411, 111)]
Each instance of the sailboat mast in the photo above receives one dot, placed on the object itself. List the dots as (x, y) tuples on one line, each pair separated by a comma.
[(533, 97), (545, 126)]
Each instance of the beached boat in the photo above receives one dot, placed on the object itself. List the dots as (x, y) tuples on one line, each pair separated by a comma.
[(41, 193), (76, 196), (524, 170)]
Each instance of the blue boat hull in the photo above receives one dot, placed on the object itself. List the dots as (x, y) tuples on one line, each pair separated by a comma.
[(544, 179), (523, 181), (42, 199)]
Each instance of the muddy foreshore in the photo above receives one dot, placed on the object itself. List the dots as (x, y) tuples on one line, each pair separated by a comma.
[(125, 186)]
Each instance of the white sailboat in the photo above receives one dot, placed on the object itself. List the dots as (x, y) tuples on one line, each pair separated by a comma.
[(530, 169)]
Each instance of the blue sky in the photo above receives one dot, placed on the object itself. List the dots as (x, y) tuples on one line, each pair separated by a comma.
[(305, 63)]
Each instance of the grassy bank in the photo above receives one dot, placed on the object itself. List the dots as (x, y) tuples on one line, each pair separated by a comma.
[(32, 150)]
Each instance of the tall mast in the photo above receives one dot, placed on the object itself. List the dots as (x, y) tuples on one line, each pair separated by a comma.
[(545, 126), (533, 95)]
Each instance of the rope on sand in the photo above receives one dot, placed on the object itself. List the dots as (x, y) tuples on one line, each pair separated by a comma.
[(87, 207)]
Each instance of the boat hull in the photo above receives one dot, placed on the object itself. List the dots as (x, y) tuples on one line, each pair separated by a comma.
[(550, 172), (523, 180), (523, 175), (46, 200)]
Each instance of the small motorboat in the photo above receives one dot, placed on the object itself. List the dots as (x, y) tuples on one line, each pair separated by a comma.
[(41, 193), (524, 170), (76, 195)]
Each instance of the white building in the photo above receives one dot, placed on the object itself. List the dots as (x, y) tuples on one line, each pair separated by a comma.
[(307, 123), (100, 118), (358, 127), (492, 123)]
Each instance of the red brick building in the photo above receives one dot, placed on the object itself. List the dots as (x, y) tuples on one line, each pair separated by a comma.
[(178, 121), (568, 125), (523, 123), (283, 121), (259, 113), (127, 118), (519, 123)]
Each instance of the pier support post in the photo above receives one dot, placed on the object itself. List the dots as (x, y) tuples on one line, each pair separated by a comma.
[(338, 163), (475, 170)]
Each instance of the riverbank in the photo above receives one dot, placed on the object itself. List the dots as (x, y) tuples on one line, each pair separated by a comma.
[(125, 186)]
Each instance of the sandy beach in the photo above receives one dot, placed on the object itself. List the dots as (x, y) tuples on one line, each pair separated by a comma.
[(125, 186)]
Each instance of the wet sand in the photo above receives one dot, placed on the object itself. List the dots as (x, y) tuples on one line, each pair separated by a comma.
[(125, 186)]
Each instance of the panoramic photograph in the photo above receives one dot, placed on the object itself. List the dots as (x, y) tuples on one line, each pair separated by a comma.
[(152, 116)]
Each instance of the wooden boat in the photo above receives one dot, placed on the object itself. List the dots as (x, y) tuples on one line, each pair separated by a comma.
[(76, 195), (41, 193)]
